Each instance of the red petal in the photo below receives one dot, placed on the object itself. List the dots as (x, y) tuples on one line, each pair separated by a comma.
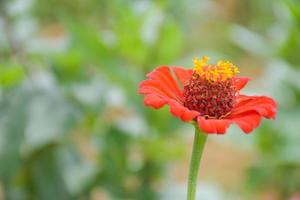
[(183, 75), (154, 87), (249, 110), (247, 121), (155, 101), (240, 82), (162, 75), (161, 89), (182, 112), (263, 105), (218, 126)]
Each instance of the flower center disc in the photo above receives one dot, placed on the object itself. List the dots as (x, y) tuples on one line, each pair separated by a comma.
[(213, 99)]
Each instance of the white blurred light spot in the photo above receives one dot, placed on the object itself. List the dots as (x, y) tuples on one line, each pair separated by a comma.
[(47, 112), (25, 28), (19, 6), (115, 97), (141, 6), (2, 34), (249, 40), (41, 80), (78, 175), (89, 93), (276, 75), (133, 125), (151, 26), (205, 191), (109, 38), (48, 45)]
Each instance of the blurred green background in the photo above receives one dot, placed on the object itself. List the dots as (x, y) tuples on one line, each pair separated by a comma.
[(72, 125)]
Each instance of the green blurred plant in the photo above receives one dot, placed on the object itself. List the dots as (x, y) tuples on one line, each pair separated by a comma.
[(37, 158), (62, 133)]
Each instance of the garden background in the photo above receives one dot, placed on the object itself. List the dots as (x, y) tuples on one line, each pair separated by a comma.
[(72, 125)]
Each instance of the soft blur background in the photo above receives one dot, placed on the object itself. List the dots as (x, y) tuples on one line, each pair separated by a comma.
[(72, 125)]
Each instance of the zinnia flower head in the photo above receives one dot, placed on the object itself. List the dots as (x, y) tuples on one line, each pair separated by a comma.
[(208, 95)]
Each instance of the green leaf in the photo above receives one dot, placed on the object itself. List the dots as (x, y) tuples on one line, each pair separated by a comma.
[(10, 76)]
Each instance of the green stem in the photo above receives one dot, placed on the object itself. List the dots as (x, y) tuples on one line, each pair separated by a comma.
[(198, 146)]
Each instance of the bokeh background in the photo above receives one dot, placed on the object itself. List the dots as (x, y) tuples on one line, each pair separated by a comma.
[(72, 125)]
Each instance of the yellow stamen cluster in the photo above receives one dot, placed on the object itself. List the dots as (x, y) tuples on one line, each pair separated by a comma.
[(222, 71)]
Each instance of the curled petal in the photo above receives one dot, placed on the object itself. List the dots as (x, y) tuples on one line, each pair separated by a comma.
[(161, 89), (155, 101), (218, 126), (247, 121), (263, 105), (182, 112), (162, 76), (154, 87), (183, 75), (247, 115), (249, 110), (240, 82)]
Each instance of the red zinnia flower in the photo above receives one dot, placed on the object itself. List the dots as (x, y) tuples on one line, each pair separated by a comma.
[(208, 95)]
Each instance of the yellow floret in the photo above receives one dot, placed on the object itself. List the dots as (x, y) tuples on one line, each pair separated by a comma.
[(222, 71)]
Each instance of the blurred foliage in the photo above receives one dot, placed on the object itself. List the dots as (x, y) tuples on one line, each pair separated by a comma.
[(11, 75), (71, 123)]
